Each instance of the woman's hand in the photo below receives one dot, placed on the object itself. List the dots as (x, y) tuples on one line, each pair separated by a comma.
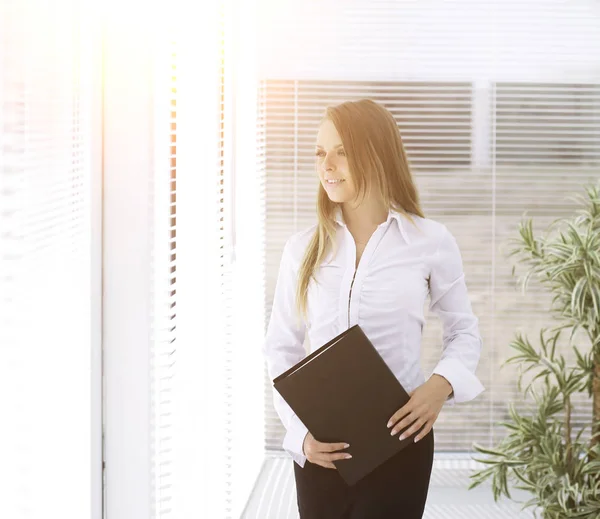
[(323, 453), (422, 409)]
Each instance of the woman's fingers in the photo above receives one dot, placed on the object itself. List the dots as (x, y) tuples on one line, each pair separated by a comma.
[(328, 452), (326, 460), (407, 409), (324, 454), (414, 428), (423, 433), (337, 456), (330, 447), (317, 446), (405, 422)]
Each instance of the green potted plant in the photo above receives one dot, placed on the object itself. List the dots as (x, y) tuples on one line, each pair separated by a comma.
[(544, 452)]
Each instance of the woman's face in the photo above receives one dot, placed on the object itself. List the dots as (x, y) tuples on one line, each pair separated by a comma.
[(332, 165)]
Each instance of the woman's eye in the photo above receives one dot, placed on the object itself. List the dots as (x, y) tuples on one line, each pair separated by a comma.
[(321, 153)]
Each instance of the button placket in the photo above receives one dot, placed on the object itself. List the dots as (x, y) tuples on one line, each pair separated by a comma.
[(359, 273)]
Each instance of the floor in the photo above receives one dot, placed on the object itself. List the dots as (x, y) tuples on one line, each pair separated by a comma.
[(274, 495)]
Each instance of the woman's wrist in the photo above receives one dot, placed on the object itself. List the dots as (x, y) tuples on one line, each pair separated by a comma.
[(443, 384)]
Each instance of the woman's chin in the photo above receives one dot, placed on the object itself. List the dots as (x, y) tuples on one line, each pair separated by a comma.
[(338, 198)]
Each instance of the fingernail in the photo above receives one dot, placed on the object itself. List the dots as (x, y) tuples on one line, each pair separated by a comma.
[(402, 437), (389, 424), (393, 432), (416, 439), (348, 456), (346, 445)]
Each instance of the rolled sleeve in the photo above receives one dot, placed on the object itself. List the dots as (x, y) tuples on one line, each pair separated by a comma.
[(462, 342), (283, 348)]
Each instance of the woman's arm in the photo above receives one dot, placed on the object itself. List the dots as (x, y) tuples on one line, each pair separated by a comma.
[(283, 348), (461, 339)]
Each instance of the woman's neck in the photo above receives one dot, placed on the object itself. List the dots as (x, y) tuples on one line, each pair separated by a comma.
[(365, 217)]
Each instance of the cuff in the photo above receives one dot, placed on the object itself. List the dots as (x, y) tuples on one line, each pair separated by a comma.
[(465, 385), (294, 439)]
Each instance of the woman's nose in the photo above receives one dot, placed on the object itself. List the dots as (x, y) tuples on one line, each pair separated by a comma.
[(327, 164)]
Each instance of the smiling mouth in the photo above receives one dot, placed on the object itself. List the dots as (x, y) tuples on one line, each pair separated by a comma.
[(333, 182)]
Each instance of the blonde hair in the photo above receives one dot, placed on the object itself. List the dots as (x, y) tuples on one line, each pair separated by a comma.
[(376, 160)]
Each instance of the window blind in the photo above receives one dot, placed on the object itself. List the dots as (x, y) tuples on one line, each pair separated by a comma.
[(164, 293), (140, 261), (46, 275), (495, 123), (546, 147), (226, 229), (205, 463)]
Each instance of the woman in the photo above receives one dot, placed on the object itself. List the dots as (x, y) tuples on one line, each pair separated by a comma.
[(372, 259)]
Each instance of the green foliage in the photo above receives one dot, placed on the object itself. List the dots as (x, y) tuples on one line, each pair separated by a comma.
[(541, 452)]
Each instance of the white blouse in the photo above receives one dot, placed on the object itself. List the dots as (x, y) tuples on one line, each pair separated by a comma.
[(401, 265)]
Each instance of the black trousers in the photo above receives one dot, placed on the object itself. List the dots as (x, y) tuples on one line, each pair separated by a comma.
[(396, 489)]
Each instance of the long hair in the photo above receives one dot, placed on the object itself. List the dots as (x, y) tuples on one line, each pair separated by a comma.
[(376, 161)]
